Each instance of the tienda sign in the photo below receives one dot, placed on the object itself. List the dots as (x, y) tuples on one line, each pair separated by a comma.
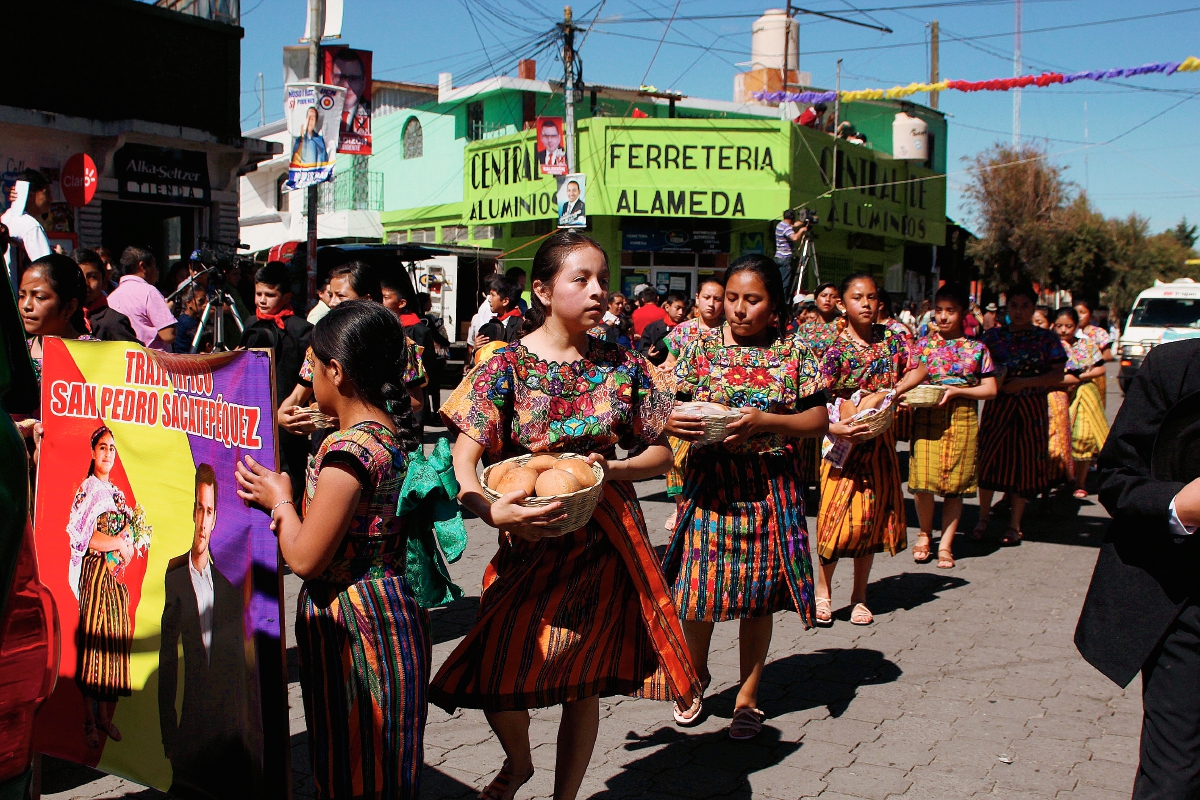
[(79, 180)]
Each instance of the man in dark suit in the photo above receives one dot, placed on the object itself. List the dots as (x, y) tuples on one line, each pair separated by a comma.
[(207, 743), (1142, 611)]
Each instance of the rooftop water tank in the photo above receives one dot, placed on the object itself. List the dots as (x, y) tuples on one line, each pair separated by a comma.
[(910, 138), (766, 41)]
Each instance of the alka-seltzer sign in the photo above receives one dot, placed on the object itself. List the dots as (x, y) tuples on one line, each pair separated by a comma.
[(167, 584), (162, 175)]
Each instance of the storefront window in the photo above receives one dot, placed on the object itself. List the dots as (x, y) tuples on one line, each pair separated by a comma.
[(454, 233)]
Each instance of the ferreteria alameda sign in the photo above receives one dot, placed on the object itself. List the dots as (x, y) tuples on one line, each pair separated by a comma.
[(688, 168), (504, 183)]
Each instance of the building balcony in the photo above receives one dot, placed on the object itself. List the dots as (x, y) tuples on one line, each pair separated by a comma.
[(346, 191), (226, 11)]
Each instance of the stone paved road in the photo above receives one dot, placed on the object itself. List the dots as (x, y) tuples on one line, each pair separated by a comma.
[(966, 685)]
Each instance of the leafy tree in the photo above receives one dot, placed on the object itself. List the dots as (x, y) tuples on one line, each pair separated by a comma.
[(1084, 247), (1016, 193), (1139, 258), (1185, 234)]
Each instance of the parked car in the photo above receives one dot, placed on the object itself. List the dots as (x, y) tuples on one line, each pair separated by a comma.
[(1164, 313)]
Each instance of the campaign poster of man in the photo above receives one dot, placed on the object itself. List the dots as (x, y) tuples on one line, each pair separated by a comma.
[(572, 191), (551, 157), (314, 113), (167, 584), (351, 70)]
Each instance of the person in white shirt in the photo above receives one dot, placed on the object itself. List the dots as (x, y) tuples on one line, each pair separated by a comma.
[(29, 200), (484, 314), (207, 741)]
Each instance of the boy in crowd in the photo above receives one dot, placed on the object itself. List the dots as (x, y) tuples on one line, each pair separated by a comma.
[(277, 328), (420, 343), (650, 311), (651, 343), (104, 323), (322, 306), (502, 300)]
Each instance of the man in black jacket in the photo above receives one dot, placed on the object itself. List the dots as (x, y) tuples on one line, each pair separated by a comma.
[(104, 323), (1142, 611), (208, 743)]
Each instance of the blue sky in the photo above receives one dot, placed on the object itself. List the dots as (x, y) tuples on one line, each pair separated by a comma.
[(1153, 170)]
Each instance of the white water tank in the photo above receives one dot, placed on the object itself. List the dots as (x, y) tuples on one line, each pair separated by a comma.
[(766, 41), (910, 138)]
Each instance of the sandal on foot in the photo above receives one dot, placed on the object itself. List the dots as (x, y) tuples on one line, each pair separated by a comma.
[(747, 723), (861, 615), (921, 551), (979, 531), (945, 558), (824, 616), (670, 523), (1011, 537), (505, 785), (1080, 494)]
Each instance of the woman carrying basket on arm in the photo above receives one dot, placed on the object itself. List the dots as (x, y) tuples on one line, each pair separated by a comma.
[(564, 619), (944, 436), (740, 549), (862, 504), (1014, 432)]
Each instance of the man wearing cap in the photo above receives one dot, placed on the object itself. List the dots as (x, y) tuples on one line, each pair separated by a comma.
[(1142, 611), (990, 316)]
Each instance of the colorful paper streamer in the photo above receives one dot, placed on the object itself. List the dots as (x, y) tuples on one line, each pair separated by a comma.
[(1189, 64)]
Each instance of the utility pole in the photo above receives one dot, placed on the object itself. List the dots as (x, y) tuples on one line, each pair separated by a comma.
[(837, 113), (787, 41), (935, 71), (316, 28), (569, 86), (1016, 121)]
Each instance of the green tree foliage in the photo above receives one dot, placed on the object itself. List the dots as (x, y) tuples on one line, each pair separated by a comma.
[(1139, 258), (1185, 234), (1084, 247)]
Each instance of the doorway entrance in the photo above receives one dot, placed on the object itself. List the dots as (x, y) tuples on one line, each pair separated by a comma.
[(171, 232)]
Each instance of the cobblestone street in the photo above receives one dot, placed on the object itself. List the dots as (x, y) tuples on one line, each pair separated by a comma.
[(967, 684)]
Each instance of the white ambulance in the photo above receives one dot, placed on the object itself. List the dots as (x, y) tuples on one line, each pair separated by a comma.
[(1167, 312)]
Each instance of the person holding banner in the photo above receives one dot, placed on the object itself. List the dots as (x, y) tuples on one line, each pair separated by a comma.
[(105, 535), (362, 637), (51, 300)]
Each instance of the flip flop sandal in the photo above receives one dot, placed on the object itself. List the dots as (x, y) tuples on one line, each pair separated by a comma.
[(1011, 537), (504, 786), (686, 718), (945, 559), (1080, 494), (979, 531), (747, 723), (921, 551), (824, 605), (861, 615)]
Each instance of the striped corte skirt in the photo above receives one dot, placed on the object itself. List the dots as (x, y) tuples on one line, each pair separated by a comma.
[(1062, 466), (364, 667), (679, 454), (104, 640), (1014, 444), (943, 449), (1089, 424), (740, 547), (862, 504), (570, 617)]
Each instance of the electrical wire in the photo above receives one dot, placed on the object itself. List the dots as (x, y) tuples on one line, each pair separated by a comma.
[(666, 30)]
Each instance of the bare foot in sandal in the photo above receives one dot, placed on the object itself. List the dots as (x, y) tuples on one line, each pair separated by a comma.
[(861, 615), (979, 531), (747, 723), (921, 548), (945, 558), (824, 612), (506, 783), (1011, 537)]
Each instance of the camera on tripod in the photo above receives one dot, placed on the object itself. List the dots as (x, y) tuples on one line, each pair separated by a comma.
[(808, 218)]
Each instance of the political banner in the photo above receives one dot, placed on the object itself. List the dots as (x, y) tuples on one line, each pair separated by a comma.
[(351, 70), (314, 118), (571, 199), (551, 157), (167, 583)]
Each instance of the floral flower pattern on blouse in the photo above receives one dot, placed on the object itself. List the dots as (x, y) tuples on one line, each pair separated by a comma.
[(1098, 335), (774, 379), (1024, 354), (683, 335), (849, 366), (818, 335), (1082, 355), (955, 362), (517, 403)]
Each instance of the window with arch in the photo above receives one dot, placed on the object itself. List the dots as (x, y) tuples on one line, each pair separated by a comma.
[(414, 141), (281, 197)]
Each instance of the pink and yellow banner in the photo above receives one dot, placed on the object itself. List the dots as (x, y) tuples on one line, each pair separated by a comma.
[(167, 584)]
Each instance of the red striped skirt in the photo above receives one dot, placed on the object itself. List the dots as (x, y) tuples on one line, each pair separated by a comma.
[(104, 640), (566, 618), (1014, 444)]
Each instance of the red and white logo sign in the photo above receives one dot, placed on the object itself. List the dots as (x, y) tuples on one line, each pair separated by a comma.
[(79, 179)]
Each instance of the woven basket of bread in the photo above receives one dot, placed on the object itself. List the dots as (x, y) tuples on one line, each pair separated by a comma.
[(716, 418), (578, 504), (925, 395), (876, 420)]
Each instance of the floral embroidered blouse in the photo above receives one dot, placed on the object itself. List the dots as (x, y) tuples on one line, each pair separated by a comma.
[(818, 335), (955, 362), (1024, 354), (683, 335), (1098, 335), (848, 366), (784, 378), (375, 544), (516, 403), (1082, 355)]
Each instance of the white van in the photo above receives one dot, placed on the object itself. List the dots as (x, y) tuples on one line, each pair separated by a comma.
[(1168, 312)]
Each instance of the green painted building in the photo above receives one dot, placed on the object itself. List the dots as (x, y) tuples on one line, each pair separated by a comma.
[(672, 194)]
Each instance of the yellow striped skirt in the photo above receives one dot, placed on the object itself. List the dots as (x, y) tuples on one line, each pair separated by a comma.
[(104, 640), (1089, 425), (862, 504), (679, 454), (943, 449), (1062, 467)]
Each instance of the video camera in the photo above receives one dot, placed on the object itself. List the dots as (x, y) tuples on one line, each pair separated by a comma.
[(808, 218), (219, 257)]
